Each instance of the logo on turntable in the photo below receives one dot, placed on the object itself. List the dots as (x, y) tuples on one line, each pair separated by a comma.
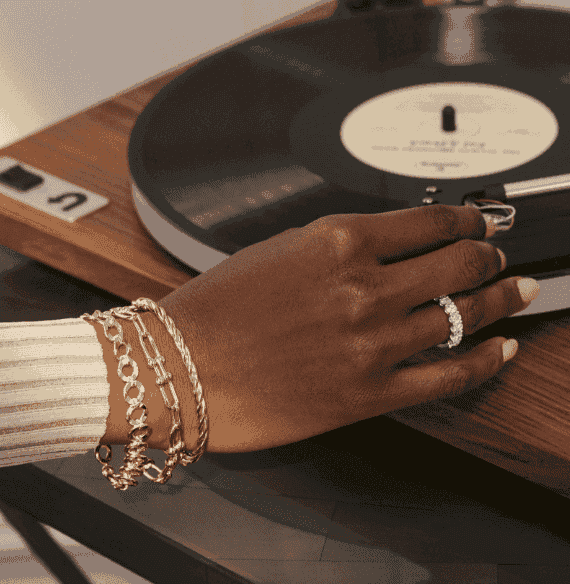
[(449, 130)]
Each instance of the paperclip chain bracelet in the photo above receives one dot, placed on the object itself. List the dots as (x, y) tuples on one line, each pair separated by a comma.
[(136, 463)]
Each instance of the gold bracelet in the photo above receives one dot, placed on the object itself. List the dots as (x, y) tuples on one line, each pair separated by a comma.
[(145, 304), (136, 463)]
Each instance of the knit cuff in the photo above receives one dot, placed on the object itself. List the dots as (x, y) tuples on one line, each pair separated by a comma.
[(54, 393)]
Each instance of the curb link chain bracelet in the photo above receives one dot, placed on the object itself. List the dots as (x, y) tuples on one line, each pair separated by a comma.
[(136, 463)]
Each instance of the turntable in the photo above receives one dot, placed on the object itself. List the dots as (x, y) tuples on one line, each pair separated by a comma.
[(385, 105)]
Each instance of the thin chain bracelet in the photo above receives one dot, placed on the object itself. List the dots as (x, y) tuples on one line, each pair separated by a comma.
[(135, 462)]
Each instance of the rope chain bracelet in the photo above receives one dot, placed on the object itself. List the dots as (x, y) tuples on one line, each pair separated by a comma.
[(136, 463)]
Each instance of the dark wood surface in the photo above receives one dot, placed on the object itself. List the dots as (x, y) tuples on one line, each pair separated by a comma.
[(519, 421), (138, 549)]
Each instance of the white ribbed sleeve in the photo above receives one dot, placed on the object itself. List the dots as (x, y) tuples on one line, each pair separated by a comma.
[(54, 394)]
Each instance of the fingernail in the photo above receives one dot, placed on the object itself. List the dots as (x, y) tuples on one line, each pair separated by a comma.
[(491, 226), (503, 259), (529, 289), (510, 348)]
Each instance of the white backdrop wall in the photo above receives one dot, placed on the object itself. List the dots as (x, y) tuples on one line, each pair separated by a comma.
[(59, 57)]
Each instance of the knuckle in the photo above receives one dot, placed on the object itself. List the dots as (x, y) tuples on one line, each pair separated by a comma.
[(345, 241), (358, 300), (341, 234), (495, 359), (458, 380), (511, 295), (445, 220), (473, 313), (318, 226), (473, 260)]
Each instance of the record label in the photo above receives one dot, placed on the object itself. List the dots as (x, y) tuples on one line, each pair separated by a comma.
[(449, 130)]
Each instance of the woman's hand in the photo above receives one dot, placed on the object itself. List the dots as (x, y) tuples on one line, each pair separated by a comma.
[(309, 331)]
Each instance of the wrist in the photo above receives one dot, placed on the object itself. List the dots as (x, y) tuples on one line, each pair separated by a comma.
[(158, 415)]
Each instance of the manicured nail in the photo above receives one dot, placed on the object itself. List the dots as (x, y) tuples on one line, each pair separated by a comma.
[(491, 226), (529, 289), (510, 348)]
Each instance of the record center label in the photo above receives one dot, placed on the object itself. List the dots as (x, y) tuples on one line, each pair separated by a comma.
[(449, 130)]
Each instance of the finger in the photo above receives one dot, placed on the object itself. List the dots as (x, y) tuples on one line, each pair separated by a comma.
[(430, 326), (450, 270), (407, 233), (451, 376)]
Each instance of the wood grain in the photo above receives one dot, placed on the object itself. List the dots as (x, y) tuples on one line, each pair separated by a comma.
[(519, 421)]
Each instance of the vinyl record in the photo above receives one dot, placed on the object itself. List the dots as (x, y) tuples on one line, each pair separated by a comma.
[(361, 115)]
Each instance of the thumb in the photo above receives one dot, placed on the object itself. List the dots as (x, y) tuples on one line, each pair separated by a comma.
[(454, 374)]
